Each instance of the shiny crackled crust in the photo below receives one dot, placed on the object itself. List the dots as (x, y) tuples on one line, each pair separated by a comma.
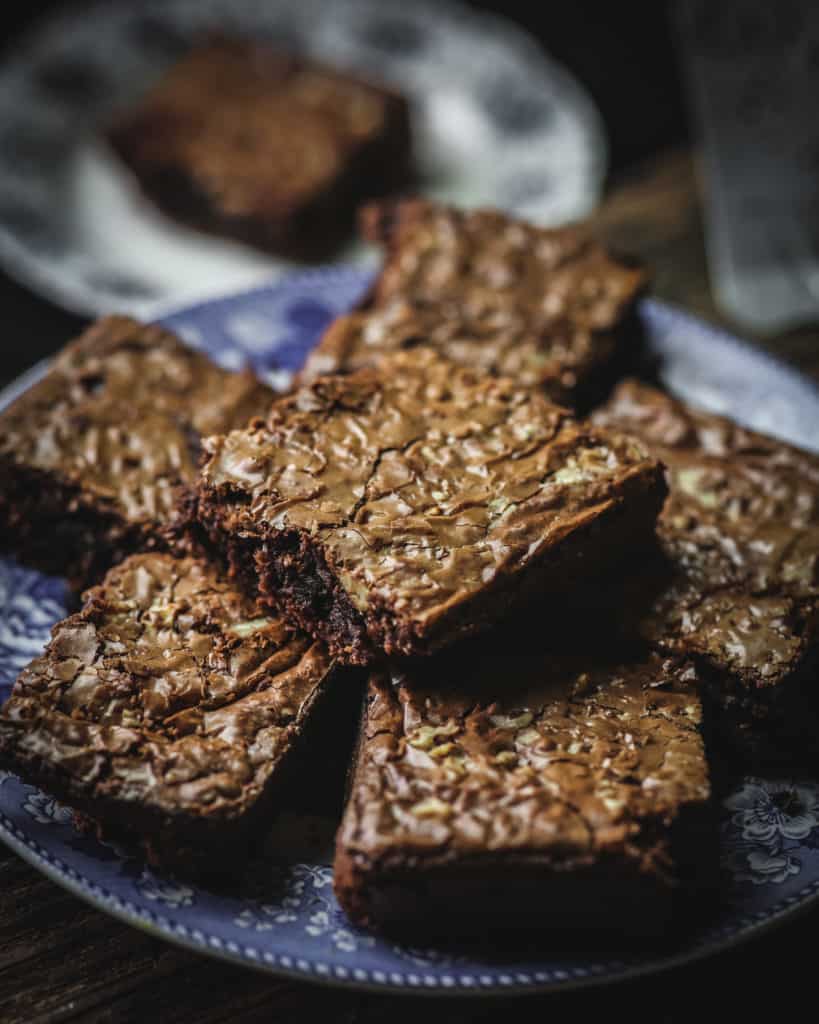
[(547, 307), (240, 140), (90, 456), (402, 507), (526, 778), (167, 707), (740, 536)]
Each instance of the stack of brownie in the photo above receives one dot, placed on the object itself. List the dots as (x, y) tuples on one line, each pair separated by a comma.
[(540, 622)]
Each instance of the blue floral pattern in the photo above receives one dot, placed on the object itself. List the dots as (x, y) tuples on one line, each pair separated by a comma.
[(264, 917), (44, 809), (30, 604), (767, 823), (167, 892), (769, 828), (268, 331)]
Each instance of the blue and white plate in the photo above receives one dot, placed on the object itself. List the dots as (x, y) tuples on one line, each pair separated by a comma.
[(770, 827)]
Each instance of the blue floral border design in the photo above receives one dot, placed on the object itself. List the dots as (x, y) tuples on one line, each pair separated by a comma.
[(770, 828)]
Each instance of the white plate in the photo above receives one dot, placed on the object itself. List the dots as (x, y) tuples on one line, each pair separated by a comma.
[(496, 122)]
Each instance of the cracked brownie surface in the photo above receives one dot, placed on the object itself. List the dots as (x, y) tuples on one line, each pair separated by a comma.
[(168, 706), (502, 765), (241, 140), (737, 585), (547, 307), (90, 455), (400, 507)]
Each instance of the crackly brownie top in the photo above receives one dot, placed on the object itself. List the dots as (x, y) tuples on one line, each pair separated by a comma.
[(750, 501), (252, 127), (487, 291), (578, 759), (741, 524), (422, 482), (168, 690), (120, 414)]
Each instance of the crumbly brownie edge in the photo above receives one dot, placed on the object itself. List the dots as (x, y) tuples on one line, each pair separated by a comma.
[(56, 527), (765, 728), (746, 683), (289, 572)]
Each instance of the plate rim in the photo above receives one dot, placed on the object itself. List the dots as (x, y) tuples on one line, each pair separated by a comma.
[(162, 927), (741, 929)]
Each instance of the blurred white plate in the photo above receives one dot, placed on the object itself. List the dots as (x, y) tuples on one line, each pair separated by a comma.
[(496, 122)]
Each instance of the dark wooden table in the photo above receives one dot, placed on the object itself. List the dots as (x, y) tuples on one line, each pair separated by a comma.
[(60, 960)]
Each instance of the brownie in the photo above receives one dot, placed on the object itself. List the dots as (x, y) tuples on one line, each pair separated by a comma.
[(548, 307), (735, 583), (240, 140), (399, 508), (91, 454), (168, 707), (504, 788)]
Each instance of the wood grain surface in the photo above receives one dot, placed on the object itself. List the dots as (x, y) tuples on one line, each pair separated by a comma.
[(61, 960)]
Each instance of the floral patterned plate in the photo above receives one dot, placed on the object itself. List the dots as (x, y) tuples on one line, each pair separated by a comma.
[(290, 923)]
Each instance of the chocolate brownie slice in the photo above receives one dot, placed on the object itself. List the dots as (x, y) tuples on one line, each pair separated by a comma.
[(278, 151), (398, 508), (91, 454), (736, 581), (168, 707), (501, 788), (547, 307)]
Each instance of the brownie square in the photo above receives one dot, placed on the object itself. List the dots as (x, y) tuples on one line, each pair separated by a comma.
[(240, 140), (91, 454), (399, 508), (548, 307), (735, 583), (501, 788), (167, 707)]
